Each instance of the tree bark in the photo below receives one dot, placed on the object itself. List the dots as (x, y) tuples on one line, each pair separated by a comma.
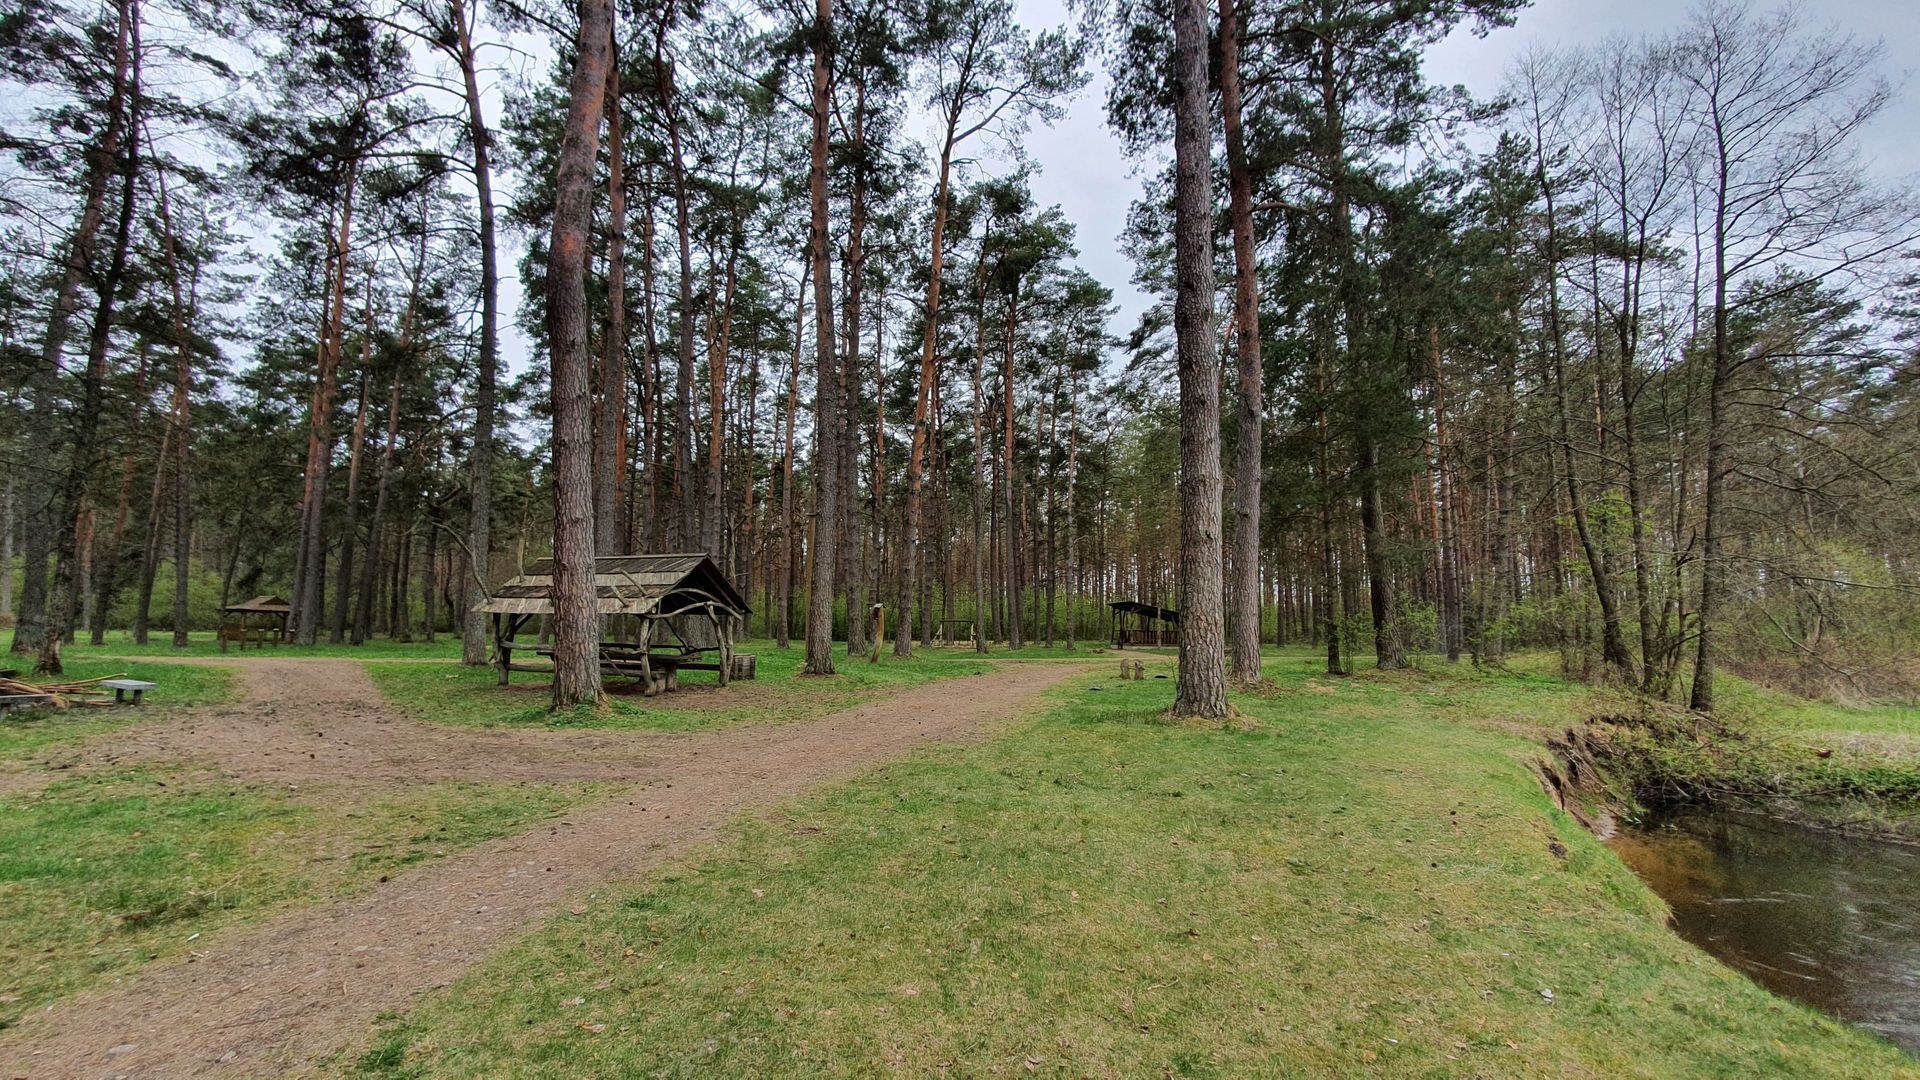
[(81, 465), (6, 549), (150, 548), (343, 585), (1245, 639), (684, 531), (977, 408), (363, 612), (1201, 692), (826, 395), (576, 621), (183, 382), (1010, 530), (473, 647), (41, 522), (788, 534), (910, 534), (313, 560), (713, 531), (610, 457)]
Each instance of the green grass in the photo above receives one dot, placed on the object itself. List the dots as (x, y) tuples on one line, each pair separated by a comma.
[(206, 643), (1785, 714), (463, 696), (178, 685), (102, 872), (1368, 881)]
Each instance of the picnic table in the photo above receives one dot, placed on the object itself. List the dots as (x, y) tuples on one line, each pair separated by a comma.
[(658, 669)]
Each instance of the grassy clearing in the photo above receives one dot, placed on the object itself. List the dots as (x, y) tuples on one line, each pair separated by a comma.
[(102, 872), (206, 643), (471, 697), (179, 685), (1369, 881), (1777, 713)]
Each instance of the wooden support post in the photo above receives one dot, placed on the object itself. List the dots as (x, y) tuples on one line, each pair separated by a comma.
[(502, 652), (647, 687)]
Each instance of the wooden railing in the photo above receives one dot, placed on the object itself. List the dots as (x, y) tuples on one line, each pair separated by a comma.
[(1124, 638)]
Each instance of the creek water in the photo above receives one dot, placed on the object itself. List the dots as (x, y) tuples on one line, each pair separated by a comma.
[(1831, 920)]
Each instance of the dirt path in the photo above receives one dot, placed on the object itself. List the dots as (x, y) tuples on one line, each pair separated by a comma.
[(301, 721), (323, 721), (274, 997)]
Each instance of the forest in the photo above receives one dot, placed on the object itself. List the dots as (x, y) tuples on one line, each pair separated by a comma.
[(1087, 538), (1620, 363)]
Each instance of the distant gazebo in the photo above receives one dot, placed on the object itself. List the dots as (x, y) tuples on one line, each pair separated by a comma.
[(662, 614), (263, 620), (1151, 625)]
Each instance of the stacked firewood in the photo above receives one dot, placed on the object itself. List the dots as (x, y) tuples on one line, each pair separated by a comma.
[(79, 692)]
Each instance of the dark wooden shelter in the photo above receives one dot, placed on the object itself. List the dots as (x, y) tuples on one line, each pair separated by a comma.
[(1151, 625), (263, 620), (661, 614)]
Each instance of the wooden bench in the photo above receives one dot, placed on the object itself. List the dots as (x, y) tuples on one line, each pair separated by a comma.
[(122, 687)]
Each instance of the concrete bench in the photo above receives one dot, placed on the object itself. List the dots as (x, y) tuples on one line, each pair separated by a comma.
[(121, 687)]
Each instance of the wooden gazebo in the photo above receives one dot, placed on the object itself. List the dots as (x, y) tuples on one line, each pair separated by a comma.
[(661, 614), (262, 620), (1152, 625)]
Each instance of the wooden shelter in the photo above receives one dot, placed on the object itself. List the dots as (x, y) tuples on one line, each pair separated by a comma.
[(661, 614), (263, 620), (1152, 625)]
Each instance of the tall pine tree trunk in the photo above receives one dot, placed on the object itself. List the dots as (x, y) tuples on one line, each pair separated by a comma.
[(826, 396), (685, 534), (610, 456), (1202, 688), (473, 648), (1245, 585), (916, 455), (72, 501), (313, 554), (343, 584), (182, 386), (576, 621), (789, 534), (42, 504)]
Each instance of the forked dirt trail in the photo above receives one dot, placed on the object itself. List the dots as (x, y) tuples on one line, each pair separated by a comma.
[(323, 721), (274, 997)]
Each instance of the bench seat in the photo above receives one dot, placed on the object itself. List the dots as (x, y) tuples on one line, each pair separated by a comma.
[(122, 687)]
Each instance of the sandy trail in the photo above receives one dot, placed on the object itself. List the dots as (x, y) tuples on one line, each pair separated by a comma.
[(323, 721), (276, 996)]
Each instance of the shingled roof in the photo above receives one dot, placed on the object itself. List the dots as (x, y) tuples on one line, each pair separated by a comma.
[(1135, 607), (626, 585), (261, 605)]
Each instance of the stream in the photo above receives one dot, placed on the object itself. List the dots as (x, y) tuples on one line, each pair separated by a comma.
[(1829, 920)]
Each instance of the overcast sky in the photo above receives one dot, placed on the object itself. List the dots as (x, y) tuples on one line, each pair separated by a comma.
[(1083, 170)]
